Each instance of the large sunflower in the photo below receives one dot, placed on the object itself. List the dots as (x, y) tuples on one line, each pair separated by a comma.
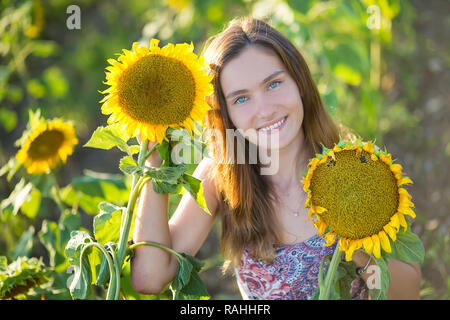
[(48, 144), (152, 89), (357, 193)]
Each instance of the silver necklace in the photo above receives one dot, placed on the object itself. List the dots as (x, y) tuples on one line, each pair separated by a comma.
[(295, 213)]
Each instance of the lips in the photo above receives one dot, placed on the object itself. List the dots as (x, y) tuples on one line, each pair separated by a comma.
[(277, 125)]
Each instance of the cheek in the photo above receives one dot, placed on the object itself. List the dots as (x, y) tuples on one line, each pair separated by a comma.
[(240, 117), (295, 107)]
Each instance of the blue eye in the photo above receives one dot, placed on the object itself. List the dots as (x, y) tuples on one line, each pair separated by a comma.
[(274, 84), (240, 100)]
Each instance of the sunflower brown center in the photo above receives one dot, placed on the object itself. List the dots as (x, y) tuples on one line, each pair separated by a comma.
[(360, 195), (157, 90), (46, 144)]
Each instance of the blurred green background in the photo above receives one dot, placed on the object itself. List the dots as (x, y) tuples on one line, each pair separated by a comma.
[(381, 66)]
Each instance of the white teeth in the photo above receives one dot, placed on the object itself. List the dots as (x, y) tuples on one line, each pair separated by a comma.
[(273, 126)]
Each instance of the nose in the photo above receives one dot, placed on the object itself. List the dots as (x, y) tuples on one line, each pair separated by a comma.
[(266, 109)]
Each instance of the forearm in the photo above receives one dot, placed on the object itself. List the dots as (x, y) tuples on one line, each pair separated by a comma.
[(405, 277), (151, 267), (405, 280)]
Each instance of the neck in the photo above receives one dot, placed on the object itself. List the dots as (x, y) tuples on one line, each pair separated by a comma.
[(293, 159)]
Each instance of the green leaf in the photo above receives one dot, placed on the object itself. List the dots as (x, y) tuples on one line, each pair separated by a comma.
[(8, 119), (43, 48), (10, 168), (164, 150), (35, 88), (68, 222), (18, 196), (165, 179), (195, 187), (197, 264), (379, 279), (45, 183), (17, 278), (103, 272), (164, 187), (168, 174), (128, 165), (183, 274), (81, 280), (76, 243), (301, 6), (90, 190), (107, 223), (109, 137), (407, 247), (31, 207), (54, 237), (48, 235), (94, 258), (24, 245), (187, 283), (80, 284), (56, 82), (193, 290), (346, 273), (347, 74)]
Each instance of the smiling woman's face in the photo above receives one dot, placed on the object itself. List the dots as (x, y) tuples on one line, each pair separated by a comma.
[(262, 97)]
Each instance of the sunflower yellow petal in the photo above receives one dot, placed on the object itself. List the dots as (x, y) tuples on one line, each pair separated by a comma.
[(349, 252), (403, 191), (390, 231), (376, 246), (368, 244), (321, 229), (386, 158), (404, 180), (330, 238), (408, 211), (368, 147), (396, 168), (310, 213), (402, 220), (385, 244), (395, 222), (319, 209), (343, 243)]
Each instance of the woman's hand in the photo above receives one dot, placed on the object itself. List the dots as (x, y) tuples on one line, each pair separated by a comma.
[(154, 160)]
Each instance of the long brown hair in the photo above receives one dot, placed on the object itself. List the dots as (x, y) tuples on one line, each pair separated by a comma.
[(247, 209)]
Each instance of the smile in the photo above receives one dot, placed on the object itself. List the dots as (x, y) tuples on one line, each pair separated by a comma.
[(276, 126)]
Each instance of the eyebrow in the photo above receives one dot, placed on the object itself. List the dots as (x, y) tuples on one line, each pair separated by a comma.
[(266, 79)]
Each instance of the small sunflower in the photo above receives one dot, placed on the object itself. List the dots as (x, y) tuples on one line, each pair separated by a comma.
[(48, 144), (357, 193), (152, 89)]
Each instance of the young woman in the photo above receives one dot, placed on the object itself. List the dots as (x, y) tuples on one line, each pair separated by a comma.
[(262, 86)]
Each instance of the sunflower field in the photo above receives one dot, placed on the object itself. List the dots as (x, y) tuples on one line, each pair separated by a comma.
[(72, 119)]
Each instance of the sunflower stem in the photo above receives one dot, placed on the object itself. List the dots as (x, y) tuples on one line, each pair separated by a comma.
[(125, 227), (56, 192), (154, 244), (330, 276), (153, 148)]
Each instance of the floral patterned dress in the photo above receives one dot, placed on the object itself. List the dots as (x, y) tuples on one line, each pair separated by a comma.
[(292, 276)]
